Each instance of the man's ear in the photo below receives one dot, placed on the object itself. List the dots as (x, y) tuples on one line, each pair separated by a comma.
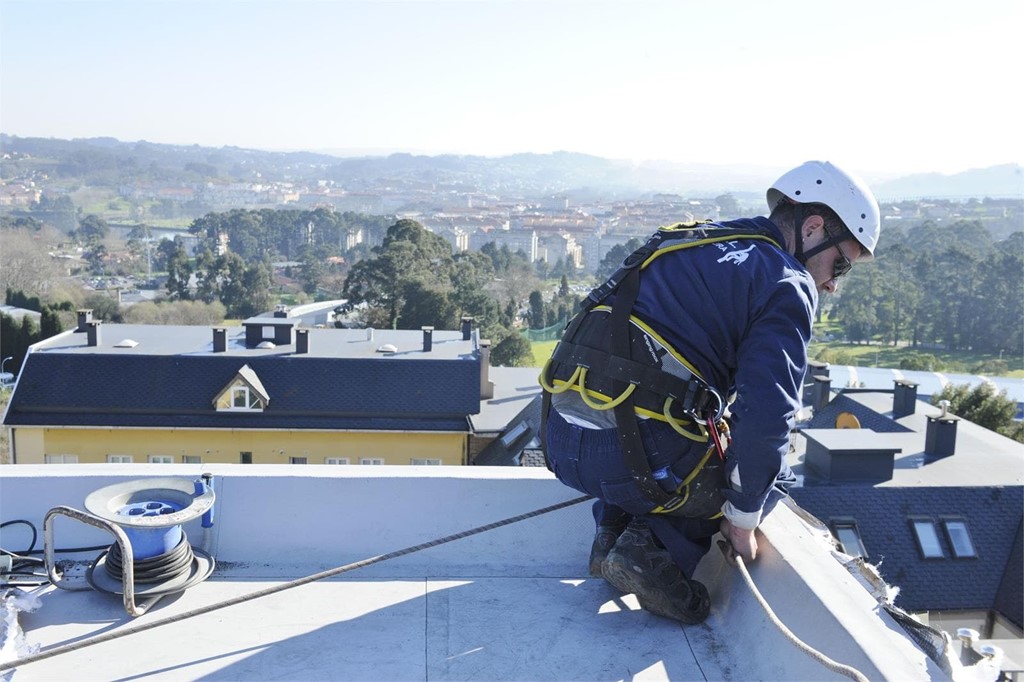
[(812, 224)]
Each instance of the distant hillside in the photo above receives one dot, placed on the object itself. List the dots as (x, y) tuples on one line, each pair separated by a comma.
[(110, 162), (1006, 181)]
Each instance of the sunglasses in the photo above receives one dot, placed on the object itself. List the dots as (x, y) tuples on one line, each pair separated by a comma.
[(841, 266)]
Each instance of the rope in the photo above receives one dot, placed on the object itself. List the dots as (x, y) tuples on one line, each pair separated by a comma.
[(99, 639), (834, 666)]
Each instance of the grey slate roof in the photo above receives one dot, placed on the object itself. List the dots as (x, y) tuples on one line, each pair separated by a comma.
[(981, 484), (993, 518), (343, 386), (525, 427)]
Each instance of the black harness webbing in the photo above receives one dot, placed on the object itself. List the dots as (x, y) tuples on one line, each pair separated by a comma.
[(694, 396)]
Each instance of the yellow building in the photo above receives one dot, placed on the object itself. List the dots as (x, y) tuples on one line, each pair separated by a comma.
[(268, 392)]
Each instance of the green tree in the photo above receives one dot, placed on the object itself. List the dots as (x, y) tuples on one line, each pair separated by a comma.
[(410, 255), (537, 320), (512, 351), (981, 405), (613, 259), (728, 207), (93, 228), (179, 269)]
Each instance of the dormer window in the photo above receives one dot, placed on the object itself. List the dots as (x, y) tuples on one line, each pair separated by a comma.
[(244, 399), (245, 393)]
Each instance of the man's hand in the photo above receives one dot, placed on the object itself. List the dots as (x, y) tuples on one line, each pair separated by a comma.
[(741, 539)]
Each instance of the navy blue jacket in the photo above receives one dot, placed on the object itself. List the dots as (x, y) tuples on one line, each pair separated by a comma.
[(741, 313)]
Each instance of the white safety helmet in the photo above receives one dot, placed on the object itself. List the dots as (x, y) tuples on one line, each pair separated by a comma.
[(819, 182)]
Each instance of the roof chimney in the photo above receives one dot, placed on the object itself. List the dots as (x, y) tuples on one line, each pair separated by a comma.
[(904, 399), (281, 311), (849, 455), (92, 330), (467, 326), (486, 385), (940, 434), (301, 340), (821, 391), (815, 368), (84, 318), (428, 339), (220, 339), (369, 333)]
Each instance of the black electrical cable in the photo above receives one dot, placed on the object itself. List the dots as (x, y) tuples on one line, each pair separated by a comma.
[(35, 535), (158, 569)]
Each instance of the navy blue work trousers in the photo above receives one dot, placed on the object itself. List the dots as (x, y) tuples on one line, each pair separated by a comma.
[(591, 461)]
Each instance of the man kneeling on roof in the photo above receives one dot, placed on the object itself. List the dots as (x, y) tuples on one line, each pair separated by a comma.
[(635, 407)]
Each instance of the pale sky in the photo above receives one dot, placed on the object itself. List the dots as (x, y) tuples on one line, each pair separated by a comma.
[(877, 86)]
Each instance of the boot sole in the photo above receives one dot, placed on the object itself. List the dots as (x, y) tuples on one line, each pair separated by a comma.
[(617, 571)]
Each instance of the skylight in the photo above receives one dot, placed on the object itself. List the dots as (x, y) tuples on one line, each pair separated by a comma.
[(928, 539), (959, 539), (849, 538)]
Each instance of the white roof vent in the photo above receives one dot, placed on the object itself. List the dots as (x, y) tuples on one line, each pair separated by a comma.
[(126, 343), (267, 344), (388, 348)]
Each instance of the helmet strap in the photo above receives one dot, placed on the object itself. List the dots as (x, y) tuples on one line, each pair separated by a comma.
[(798, 252)]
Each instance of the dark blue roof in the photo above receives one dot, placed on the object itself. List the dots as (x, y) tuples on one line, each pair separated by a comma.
[(883, 516), (825, 417), (305, 391)]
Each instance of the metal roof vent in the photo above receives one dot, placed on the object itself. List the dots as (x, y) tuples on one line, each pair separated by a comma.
[(126, 343), (267, 345), (388, 348)]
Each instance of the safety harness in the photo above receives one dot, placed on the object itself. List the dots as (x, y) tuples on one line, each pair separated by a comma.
[(617, 362)]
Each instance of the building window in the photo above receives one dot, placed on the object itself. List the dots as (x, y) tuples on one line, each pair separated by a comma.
[(245, 457), (61, 459), (298, 460), (371, 460), (335, 460), (119, 459), (848, 534), (191, 459), (161, 459), (927, 539), (959, 538), (240, 396), (424, 462)]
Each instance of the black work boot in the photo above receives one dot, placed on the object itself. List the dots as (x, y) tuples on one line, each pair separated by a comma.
[(604, 540), (637, 565)]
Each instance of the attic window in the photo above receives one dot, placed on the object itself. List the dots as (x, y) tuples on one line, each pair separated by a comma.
[(242, 398), (513, 433), (927, 539), (126, 343), (388, 348), (267, 345), (959, 539), (849, 538), (245, 393)]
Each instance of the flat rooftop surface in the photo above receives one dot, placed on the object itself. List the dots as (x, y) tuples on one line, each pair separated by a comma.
[(389, 629), (459, 573)]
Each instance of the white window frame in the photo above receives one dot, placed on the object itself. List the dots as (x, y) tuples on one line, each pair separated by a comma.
[(191, 459), (60, 459), (371, 460), (424, 462), (161, 459), (298, 460), (120, 459), (335, 460)]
